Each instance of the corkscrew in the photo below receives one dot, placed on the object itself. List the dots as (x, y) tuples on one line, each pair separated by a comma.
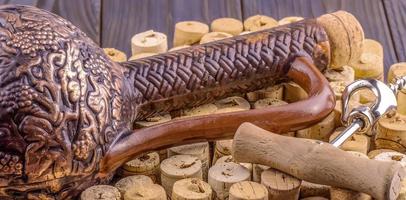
[(362, 119)]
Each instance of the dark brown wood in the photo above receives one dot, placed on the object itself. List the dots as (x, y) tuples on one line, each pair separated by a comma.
[(370, 13), (66, 108), (280, 119), (396, 16), (123, 19), (85, 14)]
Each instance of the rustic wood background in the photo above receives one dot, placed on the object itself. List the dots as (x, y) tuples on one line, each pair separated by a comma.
[(111, 23)]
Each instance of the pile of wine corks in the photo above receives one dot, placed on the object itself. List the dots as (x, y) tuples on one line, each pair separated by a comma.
[(189, 33), (208, 171)]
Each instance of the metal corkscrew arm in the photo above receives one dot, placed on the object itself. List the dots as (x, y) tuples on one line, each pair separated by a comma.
[(363, 118)]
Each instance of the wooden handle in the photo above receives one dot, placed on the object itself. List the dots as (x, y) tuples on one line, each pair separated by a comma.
[(317, 162), (204, 73), (221, 126)]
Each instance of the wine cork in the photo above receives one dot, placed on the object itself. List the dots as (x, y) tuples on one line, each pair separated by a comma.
[(280, 185), (373, 46), (338, 88), (358, 154), (178, 48), (356, 142), (345, 74), (263, 103), (199, 150), (151, 121), (366, 96), (129, 182), (98, 192), (399, 157), (396, 70), (179, 167), (247, 190), (147, 164), (214, 36), (149, 42), (191, 188), (288, 20), (259, 22), (222, 148), (229, 158), (315, 198), (189, 32), (245, 32), (320, 131), (223, 175), (163, 154), (353, 103), (401, 98), (257, 170), (205, 109), (146, 192), (402, 193), (391, 133), (337, 113), (232, 104), (392, 156), (274, 92), (345, 36), (141, 55), (370, 63), (308, 189), (293, 92), (376, 152), (346, 194), (227, 25), (115, 54)]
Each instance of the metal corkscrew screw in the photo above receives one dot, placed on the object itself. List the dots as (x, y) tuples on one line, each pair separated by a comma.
[(362, 119)]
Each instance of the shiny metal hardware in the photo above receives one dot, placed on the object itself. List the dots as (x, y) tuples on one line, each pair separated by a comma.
[(363, 118)]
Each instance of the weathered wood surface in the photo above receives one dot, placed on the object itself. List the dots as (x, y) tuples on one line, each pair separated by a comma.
[(112, 23), (84, 14), (122, 20), (396, 16)]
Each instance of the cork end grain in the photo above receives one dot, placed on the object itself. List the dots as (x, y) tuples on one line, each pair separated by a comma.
[(101, 192), (191, 188), (180, 166), (396, 185), (259, 22), (346, 37), (247, 190)]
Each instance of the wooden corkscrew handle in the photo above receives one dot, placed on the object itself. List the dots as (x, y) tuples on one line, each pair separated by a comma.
[(220, 126), (317, 162)]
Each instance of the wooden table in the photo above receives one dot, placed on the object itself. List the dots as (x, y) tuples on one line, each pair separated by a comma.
[(112, 23)]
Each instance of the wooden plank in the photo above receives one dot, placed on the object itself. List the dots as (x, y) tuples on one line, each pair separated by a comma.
[(122, 20), (396, 13), (83, 14), (370, 13)]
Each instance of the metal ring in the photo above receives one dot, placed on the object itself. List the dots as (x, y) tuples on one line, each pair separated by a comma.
[(362, 113)]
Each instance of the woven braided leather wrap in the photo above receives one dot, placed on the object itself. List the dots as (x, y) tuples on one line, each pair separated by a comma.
[(197, 75)]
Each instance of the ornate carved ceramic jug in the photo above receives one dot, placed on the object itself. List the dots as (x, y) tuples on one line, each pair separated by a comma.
[(66, 110)]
